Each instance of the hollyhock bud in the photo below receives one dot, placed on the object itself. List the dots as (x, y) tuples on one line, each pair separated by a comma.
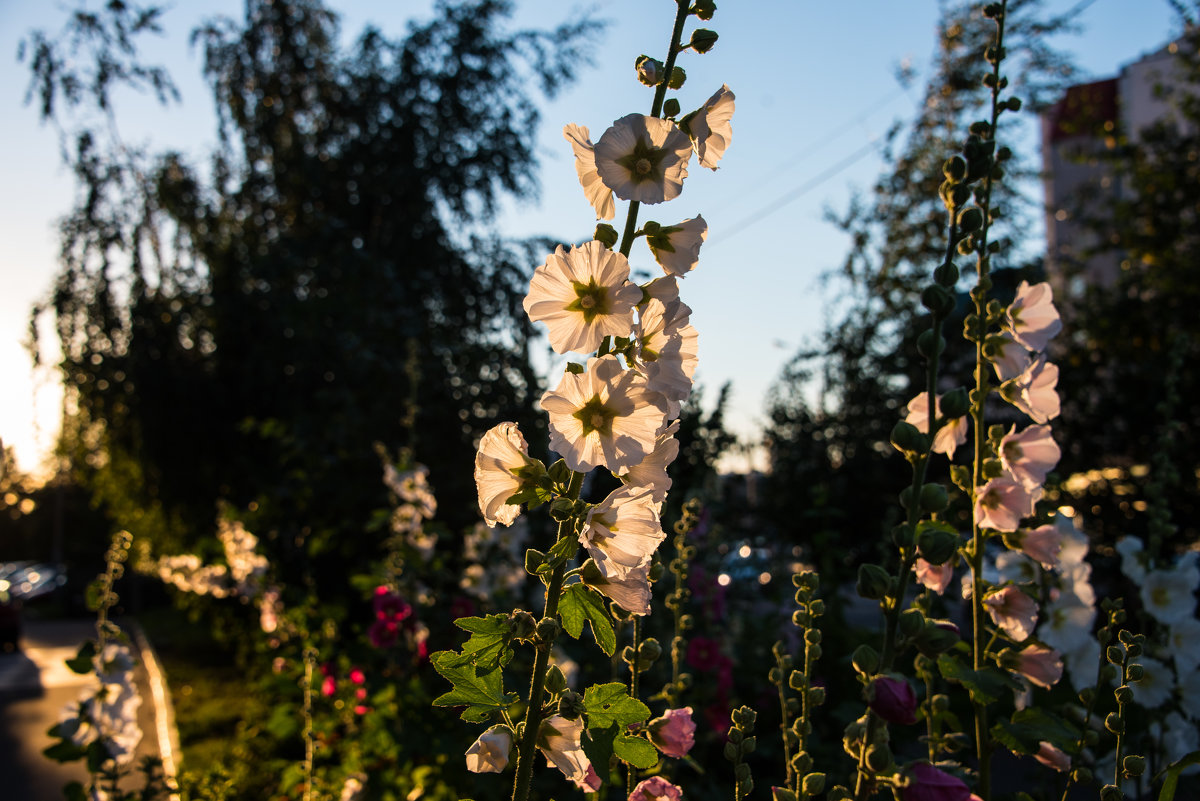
[(674, 732), (930, 784), (893, 700), (489, 754)]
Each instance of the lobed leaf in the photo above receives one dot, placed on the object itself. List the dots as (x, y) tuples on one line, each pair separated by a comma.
[(581, 603)]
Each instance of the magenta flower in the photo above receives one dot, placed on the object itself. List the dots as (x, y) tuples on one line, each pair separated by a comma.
[(383, 633), (390, 605), (674, 733), (656, 788), (930, 784), (893, 700), (1013, 611)]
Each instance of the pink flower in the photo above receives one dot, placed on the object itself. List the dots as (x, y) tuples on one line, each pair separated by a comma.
[(357, 676), (328, 686), (383, 633), (1042, 544), (674, 733), (1052, 757), (1008, 357), (1001, 504), (656, 788), (893, 700), (934, 577), (390, 606), (1033, 391), (1041, 665), (1013, 611), (930, 784), (1031, 317), (1030, 455), (591, 782), (952, 434)]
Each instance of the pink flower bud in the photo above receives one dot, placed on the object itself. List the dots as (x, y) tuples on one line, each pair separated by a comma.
[(893, 700), (930, 784), (674, 733)]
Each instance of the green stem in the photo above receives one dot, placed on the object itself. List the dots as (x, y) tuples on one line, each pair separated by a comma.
[(660, 95), (527, 750)]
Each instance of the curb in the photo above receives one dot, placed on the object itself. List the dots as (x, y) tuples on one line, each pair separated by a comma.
[(165, 730)]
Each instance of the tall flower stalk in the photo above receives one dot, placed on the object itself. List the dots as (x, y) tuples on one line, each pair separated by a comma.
[(616, 409)]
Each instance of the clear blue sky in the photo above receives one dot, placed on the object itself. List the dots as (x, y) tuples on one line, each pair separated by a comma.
[(814, 90)]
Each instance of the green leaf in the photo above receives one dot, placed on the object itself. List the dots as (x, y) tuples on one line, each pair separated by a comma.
[(1031, 726), (610, 713), (637, 751), (579, 603), (64, 751), (481, 694), (488, 645), (1171, 775), (73, 791), (81, 663), (562, 550), (986, 685), (97, 755), (610, 703)]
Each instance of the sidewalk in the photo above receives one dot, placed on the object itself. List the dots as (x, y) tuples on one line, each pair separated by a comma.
[(35, 687)]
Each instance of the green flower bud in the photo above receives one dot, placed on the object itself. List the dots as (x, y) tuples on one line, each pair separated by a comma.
[(879, 758), (606, 235), (749, 744), (1123, 694), (1091, 737), (941, 702), (938, 300), (908, 439), (1135, 672), (744, 717), (548, 629), (911, 622), (534, 559), (671, 108), (902, 535), (937, 546), (704, 9), (650, 71), (814, 784), (782, 794), (556, 682), (816, 696), (946, 274), (522, 623), (812, 636), (1014, 104), (655, 572), (873, 582), (955, 168), (570, 705), (1115, 654), (1114, 723), (970, 220), (839, 793), (935, 639), (934, 498), (1081, 776), (649, 649), (1110, 792), (703, 40), (802, 762), (955, 403), (1133, 765), (678, 76), (797, 680), (865, 660)]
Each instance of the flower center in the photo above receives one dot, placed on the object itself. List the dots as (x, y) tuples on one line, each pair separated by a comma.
[(591, 299), (595, 416), (587, 302), (1012, 451), (642, 167), (597, 421)]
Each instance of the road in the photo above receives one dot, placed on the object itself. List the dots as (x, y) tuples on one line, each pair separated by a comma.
[(35, 688)]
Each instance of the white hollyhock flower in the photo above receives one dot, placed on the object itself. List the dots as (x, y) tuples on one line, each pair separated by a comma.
[(1015, 567), (1183, 641), (1008, 357), (677, 247), (651, 472), (622, 532), (1034, 393), (668, 348), (631, 593), (599, 195), (559, 739), (1189, 694), (665, 289), (1029, 455), (1031, 317), (604, 416), (710, 127), (1130, 549), (1154, 688), (489, 754), (643, 158), (583, 295), (1074, 542), (1169, 595), (502, 455), (949, 436), (1178, 739)]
